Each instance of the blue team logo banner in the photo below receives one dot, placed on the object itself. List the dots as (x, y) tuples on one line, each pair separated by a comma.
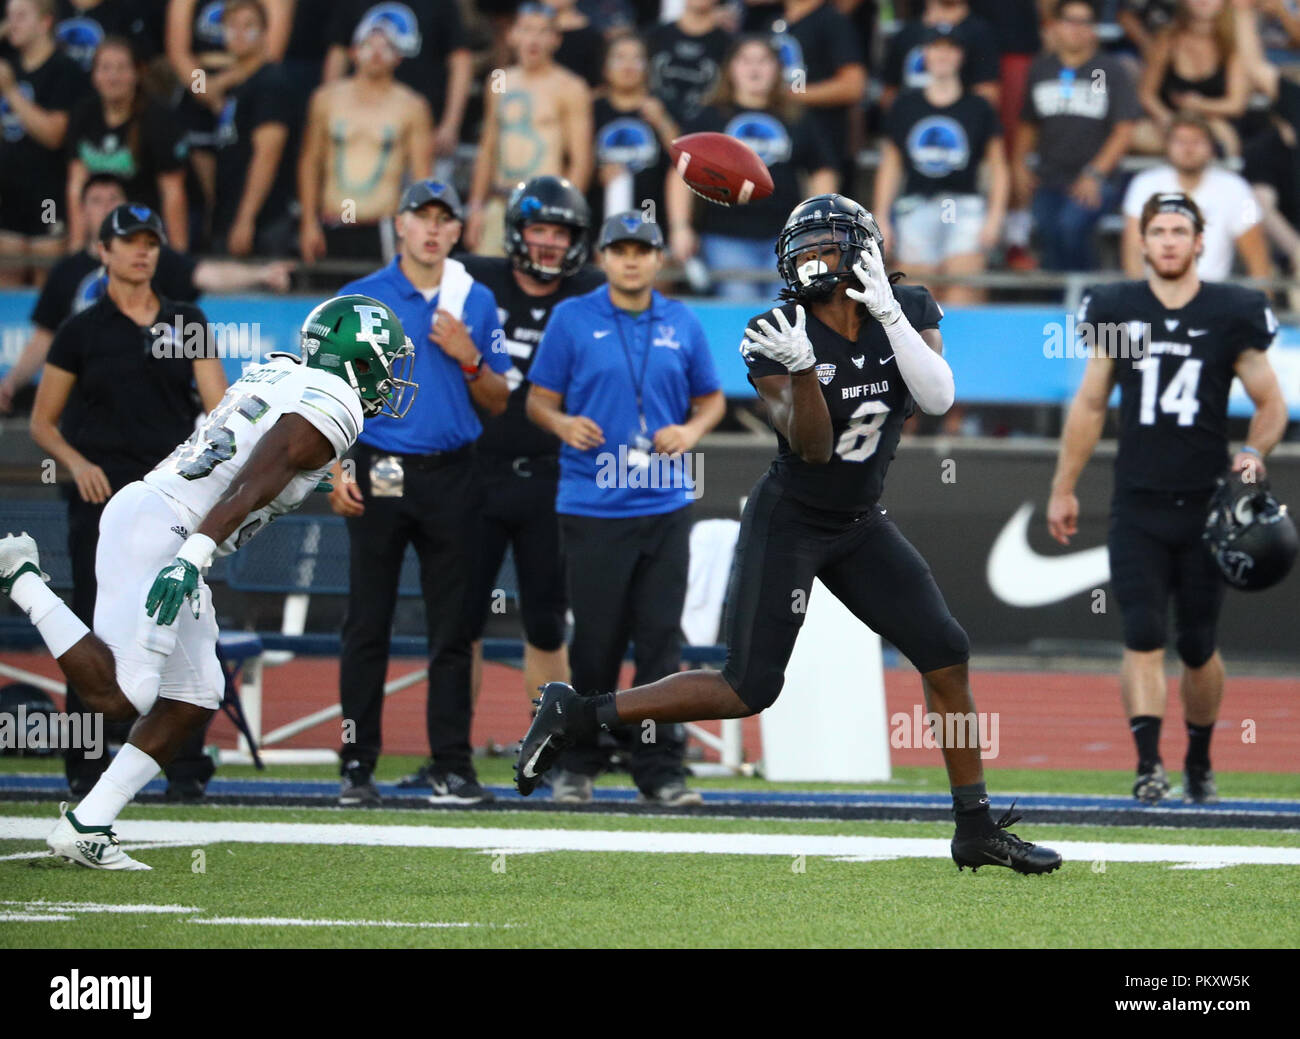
[(998, 354)]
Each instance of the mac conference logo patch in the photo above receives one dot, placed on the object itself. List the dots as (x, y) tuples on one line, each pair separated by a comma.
[(825, 373)]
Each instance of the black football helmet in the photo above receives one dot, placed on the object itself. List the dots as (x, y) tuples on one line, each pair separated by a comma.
[(1250, 534), (822, 220), (547, 200)]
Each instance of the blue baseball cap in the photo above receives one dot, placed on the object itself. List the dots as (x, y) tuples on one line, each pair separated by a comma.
[(129, 218)]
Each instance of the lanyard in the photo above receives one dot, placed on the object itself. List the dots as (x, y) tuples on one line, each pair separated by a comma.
[(638, 382)]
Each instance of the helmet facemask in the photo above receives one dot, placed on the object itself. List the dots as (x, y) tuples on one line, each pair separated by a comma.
[(804, 259), (391, 393)]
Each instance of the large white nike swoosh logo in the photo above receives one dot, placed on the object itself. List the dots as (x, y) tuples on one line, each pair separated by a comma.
[(1019, 576)]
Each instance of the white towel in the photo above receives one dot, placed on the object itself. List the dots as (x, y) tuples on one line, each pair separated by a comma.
[(454, 290), (713, 543)]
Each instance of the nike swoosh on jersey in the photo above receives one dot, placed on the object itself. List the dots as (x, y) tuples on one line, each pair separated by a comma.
[(1197, 331), (601, 334), (1019, 576), (887, 359)]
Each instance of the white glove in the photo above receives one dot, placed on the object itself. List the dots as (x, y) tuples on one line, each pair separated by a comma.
[(786, 344), (877, 295)]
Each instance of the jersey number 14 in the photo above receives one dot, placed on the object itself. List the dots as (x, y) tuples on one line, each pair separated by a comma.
[(1179, 397)]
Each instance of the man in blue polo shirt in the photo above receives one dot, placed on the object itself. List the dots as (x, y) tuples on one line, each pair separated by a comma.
[(416, 482), (625, 379)]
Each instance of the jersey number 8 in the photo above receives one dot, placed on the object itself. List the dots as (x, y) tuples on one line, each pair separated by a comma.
[(861, 436)]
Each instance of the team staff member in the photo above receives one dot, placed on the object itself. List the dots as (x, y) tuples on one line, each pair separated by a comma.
[(417, 482), (107, 411), (816, 514), (78, 280), (547, 223), (625, 378), (1173, 447)]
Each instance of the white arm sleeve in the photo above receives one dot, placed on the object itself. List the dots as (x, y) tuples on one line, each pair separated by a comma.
[(928, 377)]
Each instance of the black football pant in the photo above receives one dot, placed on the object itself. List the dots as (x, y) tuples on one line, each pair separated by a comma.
[(1156, 553), (627, 581), (861, 558), (190, 763), (438, 512), (519, 512)]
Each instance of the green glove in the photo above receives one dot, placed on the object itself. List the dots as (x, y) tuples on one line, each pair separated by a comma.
[(324, 487), (174, 584)]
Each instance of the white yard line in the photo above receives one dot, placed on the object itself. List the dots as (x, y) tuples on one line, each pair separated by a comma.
[(510, 840)]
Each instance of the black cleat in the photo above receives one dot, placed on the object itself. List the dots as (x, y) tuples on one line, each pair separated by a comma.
[(1151, 787), (1199, 787), (357, 790), (547, 736), (1003, 848)]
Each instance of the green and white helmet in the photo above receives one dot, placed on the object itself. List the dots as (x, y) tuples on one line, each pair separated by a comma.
[(360, 340)]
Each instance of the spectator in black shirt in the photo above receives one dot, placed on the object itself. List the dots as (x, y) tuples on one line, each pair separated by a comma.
[(254, 177), (936, 140), (118, 131), (633, 133), (38, 87), (436, 63), (686, 57), (82, 25), (582, 45), (824, 69), (112, 404), (78, 281), (751, 105), (905, 60)]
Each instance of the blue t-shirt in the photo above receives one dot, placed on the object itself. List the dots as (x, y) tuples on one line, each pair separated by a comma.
[(594, 354), (442, 418)]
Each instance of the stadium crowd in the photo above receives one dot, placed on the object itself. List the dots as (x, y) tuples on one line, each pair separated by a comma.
[(981, 132)]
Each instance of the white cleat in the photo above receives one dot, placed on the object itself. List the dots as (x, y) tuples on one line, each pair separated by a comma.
[(95, 847), (18, 556)]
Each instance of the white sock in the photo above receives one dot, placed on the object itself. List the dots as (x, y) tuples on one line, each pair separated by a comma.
[(125, 777), (59, 626)]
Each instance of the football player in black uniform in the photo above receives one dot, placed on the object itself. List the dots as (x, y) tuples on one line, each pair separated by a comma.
[(547, 223), (839, 378), (1173, 447)]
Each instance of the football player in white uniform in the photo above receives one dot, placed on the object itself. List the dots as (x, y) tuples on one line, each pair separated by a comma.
[(259, 454)]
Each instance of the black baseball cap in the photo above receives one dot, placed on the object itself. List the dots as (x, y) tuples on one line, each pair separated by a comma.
[(129, 218), (422, 192), (947, 33), (629, 227)]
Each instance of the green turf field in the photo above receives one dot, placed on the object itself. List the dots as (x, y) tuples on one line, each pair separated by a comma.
[(794, 888)]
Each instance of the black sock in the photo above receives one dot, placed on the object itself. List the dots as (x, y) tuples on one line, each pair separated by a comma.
[(1198, 746), (1146, 734), (595, 713), (970, 806)]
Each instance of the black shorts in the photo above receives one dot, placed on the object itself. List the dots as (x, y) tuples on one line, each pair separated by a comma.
[(1156, 553), (519, 511), (862, 558)]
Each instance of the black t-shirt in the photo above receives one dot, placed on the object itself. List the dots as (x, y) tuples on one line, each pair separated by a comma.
[(1014, 24), (265, 97), (905, 58), (867, 401), (523, 319), (684, 69), (77, 281), (582, 52), (56, 86), (626, 139), (129, 408), (942, 148), (812, 50), (1173, 406), (79, 33), (426, 33), (788, 148), (138, 150)]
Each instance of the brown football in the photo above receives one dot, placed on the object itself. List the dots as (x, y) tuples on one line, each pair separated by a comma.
[(721, 168)]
